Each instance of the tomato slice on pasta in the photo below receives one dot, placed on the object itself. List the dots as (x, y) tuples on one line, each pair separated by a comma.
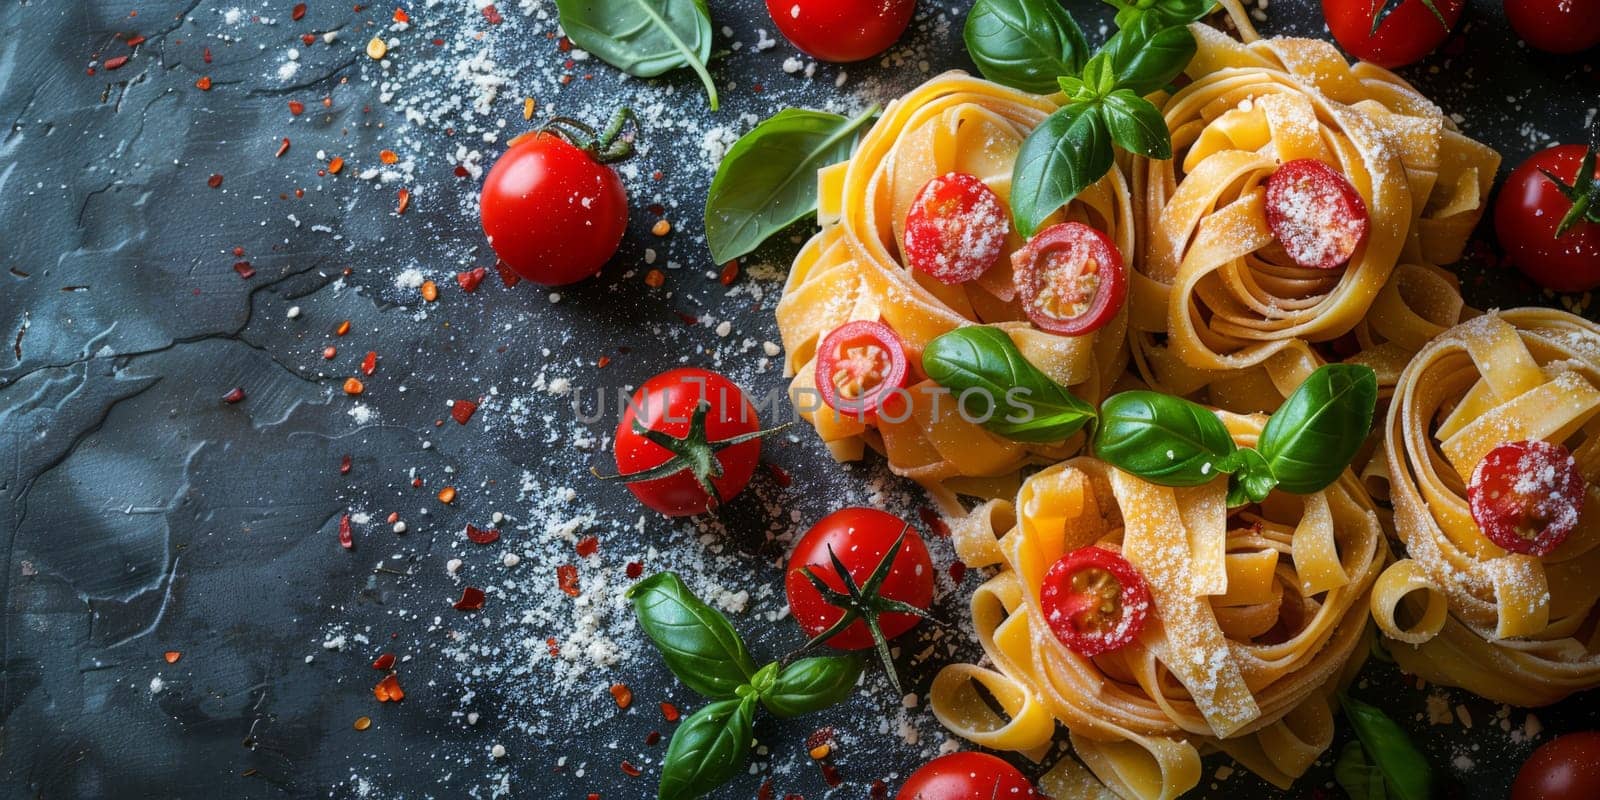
[(1094, 601), (859, 365), (1070, 279), (1526, 496), (1315, 214), (956, 228)]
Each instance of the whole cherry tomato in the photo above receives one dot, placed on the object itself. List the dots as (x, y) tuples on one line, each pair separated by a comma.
[(863, 539), (1095, 601), (688, 441), (553, 209), (956, 228), (966, 776), (1564, 768), (1556, 26), (1315, 214), (859, 365), (842, 30), (1409, 30), (1532, 209), (1527, 496), (1070, 279)]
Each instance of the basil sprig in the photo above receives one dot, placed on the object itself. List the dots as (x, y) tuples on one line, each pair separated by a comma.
[(1024, 44), (703, 650), (1312, 437), (644, 38), (996, 386), (1406, 773)]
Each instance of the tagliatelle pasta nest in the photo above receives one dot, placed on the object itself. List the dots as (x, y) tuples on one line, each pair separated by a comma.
[(1215, 299), (1259, 614), (854, 270), (1514, 627)]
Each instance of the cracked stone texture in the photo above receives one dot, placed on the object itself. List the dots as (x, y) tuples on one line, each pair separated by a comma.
[(139, 514)]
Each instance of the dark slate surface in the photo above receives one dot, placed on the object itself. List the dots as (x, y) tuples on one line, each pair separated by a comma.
[(139, 514)]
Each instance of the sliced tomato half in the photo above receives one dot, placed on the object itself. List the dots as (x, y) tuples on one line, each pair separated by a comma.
[(956, 228), (1526, 496), (859, 365), (1095, 601), (1070, 278), (1315, 214)]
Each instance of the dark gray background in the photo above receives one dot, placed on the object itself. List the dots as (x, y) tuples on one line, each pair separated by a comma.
[(139, 514)]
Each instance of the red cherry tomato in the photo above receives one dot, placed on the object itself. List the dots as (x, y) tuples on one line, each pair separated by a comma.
[(1315, 214), (1070, 279), (956, 228), (553, 213), (859, 365), (1095, 601), (861, 538), (667, 403), (1526, 496), (1555, 26), (966, 776), (1408, 33), (842, 30), (1564, 768), (1530, 209)]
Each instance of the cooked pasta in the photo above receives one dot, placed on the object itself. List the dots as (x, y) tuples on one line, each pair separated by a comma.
[(1259, 614), (1514, 627), (854, 269)]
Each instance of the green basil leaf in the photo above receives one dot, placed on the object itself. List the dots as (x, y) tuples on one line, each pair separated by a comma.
[(1069, 151), (1137, 125), (1165, 13), (708, 749), (1311, 438), (1024, 44), (1147, 56), (1356, 776), (768, 180), (995, 386), (696, 641), (1099, 76), (812, 684), (645, 38), (1163, 439), (1406, 772), (1250, 480)]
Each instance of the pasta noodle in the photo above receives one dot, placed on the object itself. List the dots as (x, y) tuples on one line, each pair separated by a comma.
[(1520, 628), (1259, 615), (853, 270)]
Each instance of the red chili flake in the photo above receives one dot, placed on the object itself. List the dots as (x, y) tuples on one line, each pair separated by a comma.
[(730, 273), (631, 770), (588, 546), (387, 156), (565, 45), (405, 201), (238, 251), (282, 148), (594, 796), (652, 738), (831, 776), (669, 711), (394, 516), (934, 522), (369, 364), (296, 107), (601, 364), (879, 790), (550, 645), (345, 539), (470, 279), (622, 694), (234, 396), (383, 662), (462, 410), (388, 690), (244, 269), (657, 175), (461, 172), (298, 13), (214, 181), (416, 483), (329, 352), (205, 55), (308, 38), (492, 14), (820, 737), (344, 328), (471, 599), (204, 83), (344, 466), (116, 63), (400, 15), (567, 579), (508, 276), (479, 535), (136, 41), (172, 656), (779, 475), (634, 570), (958, 571), (765, 792)]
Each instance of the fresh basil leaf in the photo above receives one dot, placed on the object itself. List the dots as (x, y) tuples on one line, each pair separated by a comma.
[(1357, 776), (768, 180), (1067, 153), (812, 684), (1250, 480), (1024, 44), (696, 641), (1166, 13), (1311, 438), (1099, 76), (1163, 439), (708, 749), (645, 38), (1406, 772), (997, 387), (1137, 125), (1147, 56)]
